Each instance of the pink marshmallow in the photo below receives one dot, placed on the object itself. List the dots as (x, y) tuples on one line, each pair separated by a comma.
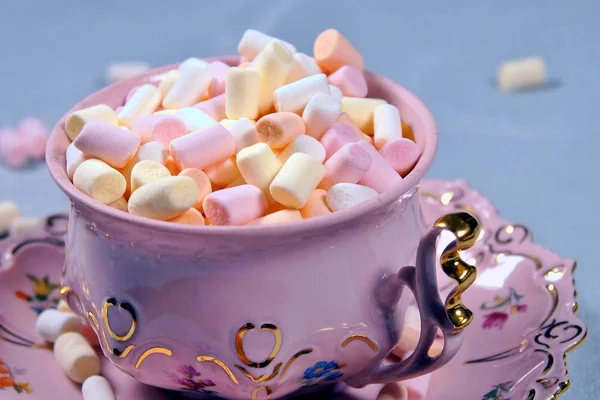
[(34, 132), (235, 206), (214, 107), (381, 176), (159, 128), (109, 143), (218, 72), (13, 149), (350, 81), (336, 136), (349, 164), (402, 154), (203, 148)]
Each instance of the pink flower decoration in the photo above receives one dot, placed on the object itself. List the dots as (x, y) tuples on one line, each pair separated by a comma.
[(522, 308), (495, 320)]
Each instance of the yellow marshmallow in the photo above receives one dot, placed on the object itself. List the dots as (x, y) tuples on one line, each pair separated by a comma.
[(147, 171), (258, 165), (77, 119), (167, 82), (242, 93), (296, 180), (361, 110), (100, 181), (165, 198), (76, 357), (274, 64)]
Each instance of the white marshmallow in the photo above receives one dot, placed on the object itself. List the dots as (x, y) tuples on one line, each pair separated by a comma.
[(321, 111), (147, 171), (167, 82), (296, 180), (24, 225), (74, 158), (8, 212), (243, 131), (344, 195), (336, 92), (194, 118), (524, 73), (294, 96), (242, 93), (77, 119), (165, 198), (258, 165), (144, 102), (303, 144), (191, 85), (303, 67), (76, 357), (387, 124), (274, 64), (97, 388), (99, 181), (51, 323), (361, 110), (117, 72), (253, 42)]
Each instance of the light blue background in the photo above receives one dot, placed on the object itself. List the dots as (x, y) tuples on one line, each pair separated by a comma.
[(534, 154)]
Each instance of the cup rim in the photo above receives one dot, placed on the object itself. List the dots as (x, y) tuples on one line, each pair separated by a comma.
[(58, 140)]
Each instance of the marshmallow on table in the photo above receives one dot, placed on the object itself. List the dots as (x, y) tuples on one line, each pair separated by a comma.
[(223, 172), (24, 225), (242, 93), (97, 388), (345, 195), (144, 102), (202, 183), (321, 111), (164, 198), (362, 111), (160, 128), (120, 71), (303, 144), (258, 165), (401, 154), (336, 92), (147, 171), (74, 157), (274, 64), (381, 176), (167, 81), (100, 181), (296, 180), (77, 119), (218, 72), (51, 323), (8, 212), (34, 132), (387, 124), (316, 205), (235, 206), (303, 66), (278, 217), (336, 136), (214, 107), (76, 357), (194, 118), (253, 42), (120, 204), (191, 85), (349, 164), (243, 131), (279, 129), (332, 51), (189, 217), (109, 143), (393, 391), (13, 148), (524, 73), (203, 148), (350, 80), (294, 96)]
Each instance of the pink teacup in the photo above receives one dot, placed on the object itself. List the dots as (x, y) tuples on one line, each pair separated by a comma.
[(264, 311)]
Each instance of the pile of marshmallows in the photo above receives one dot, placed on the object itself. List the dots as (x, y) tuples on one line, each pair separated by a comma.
[(23, 144), (279, 138)]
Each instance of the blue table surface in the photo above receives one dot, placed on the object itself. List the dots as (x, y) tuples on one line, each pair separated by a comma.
[(534, 154)]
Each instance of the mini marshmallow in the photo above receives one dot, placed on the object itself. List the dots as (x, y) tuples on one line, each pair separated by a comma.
[(100, 181), (401, 154), (74, 157), (214, 108), (203, 148), (159, 128), (120, 204), (345, 195), (349, 164), (279, 129), (51, 323), (34, 132), (346, 119), (202, 182), (147, 171), (8, 212), (316, 205), (172, 166), (303, 67), (77, 119), (336, 93), (524, 73), (167, 82), (253, 42), (387, 124), (237, 182), (152, 151), (336, 136), (296, 180), (361, 111), (223, 173), (242, 93), (63, 306), (294, 96), (164, 198), (350, 80), (258, 165), (24, 225), (144, 102), (235, 206), (121, 71), (190, 217), (218, 73), (274, 64), (109, 143), (165, 112), (76, 357), (13, 149), (97, 388), (278, 217), (332, 51), (303, 144), (320, 113), (191, 85), (195, 119), (381, 176), (393, 391), (243, 131)]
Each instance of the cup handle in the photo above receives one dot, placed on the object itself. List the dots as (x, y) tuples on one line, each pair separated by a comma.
[(451, 316)]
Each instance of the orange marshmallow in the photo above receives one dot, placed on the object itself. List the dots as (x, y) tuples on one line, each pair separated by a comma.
[(278, 217), (279, 129), (316, 205), (190, 217), (223, 173), (332, 51), (202, 182)]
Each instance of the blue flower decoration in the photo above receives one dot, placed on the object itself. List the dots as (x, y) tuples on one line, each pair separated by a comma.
[(319, 369), (333, 376)]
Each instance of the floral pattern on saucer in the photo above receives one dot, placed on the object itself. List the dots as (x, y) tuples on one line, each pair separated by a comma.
[(502, 308)]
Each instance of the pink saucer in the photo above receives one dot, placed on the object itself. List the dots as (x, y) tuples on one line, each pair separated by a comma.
[(523, 297)]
